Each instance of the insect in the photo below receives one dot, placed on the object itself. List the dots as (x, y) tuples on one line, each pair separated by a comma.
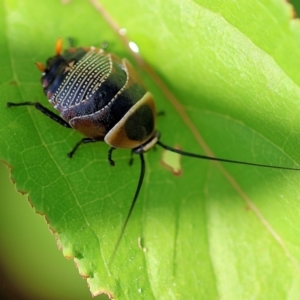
[(103, 97)]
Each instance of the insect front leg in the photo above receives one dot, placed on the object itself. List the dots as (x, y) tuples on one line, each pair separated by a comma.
[(44, 110), (131, 157)]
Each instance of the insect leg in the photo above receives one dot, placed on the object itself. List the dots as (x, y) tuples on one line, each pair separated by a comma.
[(44, 110), (131, 158), (82, 141), (71, 42), (110, 160), (160, 113)]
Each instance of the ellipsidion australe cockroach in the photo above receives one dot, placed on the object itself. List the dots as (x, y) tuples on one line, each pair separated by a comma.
[(103, 97)]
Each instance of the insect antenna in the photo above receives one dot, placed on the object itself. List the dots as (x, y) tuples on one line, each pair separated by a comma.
[(222, 159), (141, 178), (189, 154)]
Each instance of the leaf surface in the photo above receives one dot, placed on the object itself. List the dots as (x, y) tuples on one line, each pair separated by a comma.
[(216, 231)]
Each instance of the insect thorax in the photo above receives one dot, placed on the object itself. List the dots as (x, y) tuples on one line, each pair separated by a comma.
[(83, 76)]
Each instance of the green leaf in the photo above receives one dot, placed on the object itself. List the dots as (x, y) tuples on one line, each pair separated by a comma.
[(215, 231)]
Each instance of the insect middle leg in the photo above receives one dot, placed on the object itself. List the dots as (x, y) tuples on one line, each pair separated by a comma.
[(62, 122), (82, 141), (110, 160), (90, 140)]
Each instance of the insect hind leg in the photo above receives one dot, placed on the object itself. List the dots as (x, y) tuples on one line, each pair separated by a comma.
[(43, 110)]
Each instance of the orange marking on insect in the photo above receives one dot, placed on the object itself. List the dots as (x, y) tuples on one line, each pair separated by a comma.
[(58, 47), (40, 66)]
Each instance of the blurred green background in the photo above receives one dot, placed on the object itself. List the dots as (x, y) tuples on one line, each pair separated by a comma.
[(27, 246)]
